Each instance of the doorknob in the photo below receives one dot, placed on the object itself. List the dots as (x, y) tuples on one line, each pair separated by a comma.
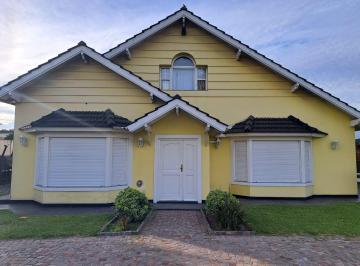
[(181, 167)]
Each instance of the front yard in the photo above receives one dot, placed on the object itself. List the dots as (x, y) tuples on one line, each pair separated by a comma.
[(15, 227), (337, 219)]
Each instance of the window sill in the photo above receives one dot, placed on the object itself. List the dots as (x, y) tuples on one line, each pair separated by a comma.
[(78, 189), (267, 184)]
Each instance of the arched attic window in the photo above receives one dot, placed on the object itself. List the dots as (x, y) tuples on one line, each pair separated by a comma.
[(183, 74)]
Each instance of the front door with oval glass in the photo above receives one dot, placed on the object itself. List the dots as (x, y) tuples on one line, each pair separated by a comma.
[(177, 170)]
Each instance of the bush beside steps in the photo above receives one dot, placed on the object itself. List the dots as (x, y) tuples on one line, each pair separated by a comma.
[(131, 209), (224, 212)]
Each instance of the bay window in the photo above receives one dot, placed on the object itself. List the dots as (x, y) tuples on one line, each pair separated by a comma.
[(272, 161), (92, 162)]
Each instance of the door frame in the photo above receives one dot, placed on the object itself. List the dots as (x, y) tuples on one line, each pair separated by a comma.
[(196, 138)]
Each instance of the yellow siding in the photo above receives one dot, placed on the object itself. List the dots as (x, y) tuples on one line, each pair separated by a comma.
[(74, 86), (143, 164), (236, 89), (274, 192)]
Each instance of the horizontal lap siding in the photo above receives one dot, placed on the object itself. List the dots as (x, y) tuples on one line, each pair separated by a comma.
[(77, 82), (224, 71)]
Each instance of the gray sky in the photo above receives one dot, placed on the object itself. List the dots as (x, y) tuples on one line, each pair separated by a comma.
[(319, 40)]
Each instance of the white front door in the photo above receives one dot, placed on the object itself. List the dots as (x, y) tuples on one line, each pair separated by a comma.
[(177, 177)]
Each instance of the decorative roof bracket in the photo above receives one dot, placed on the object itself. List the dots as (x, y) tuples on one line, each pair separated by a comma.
[(83, 57), (238, 55), (183, 26), (295, 87), (128, 54)]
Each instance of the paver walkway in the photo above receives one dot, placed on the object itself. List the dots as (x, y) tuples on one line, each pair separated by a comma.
[(177, 238)]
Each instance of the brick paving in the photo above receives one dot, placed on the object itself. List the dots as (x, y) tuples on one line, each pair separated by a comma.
[(178, 238)]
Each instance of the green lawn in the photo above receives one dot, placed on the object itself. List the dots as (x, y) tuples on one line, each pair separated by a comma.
[(336, 219), (14, 227)]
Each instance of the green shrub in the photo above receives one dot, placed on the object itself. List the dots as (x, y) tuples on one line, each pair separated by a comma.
[(131, 205), (225, 209)]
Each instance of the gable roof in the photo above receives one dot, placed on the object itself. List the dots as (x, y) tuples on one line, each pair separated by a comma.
[(80, 50), (175, 104), (79, 119), (184, 13), (288, 124)]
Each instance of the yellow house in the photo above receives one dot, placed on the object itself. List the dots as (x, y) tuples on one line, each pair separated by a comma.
[(178, 110)]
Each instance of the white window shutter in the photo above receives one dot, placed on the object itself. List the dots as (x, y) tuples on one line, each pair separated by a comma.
[(308, 162), (120, 162), (40, 162), (276, 161), (240, 161)]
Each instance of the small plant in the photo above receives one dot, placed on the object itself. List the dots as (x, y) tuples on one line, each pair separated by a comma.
[(225, 210), (131, 206)]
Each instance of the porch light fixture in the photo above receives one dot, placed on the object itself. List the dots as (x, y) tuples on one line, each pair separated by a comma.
[(334, 144), (216, 142), (23, 140), (141, 142)]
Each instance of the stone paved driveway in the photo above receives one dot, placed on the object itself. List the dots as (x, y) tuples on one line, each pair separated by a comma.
[(177, 238)]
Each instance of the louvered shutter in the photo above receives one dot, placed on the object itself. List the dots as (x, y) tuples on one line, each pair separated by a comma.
[(120, 162), (40, 161), (276, 161), (240, 161), (308, 162)]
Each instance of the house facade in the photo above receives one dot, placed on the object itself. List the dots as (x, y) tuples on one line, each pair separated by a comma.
[(178, 110)]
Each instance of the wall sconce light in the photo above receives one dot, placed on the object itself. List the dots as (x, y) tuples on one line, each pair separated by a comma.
[(23, 140), (216, 142), (141, 142), (334, 144)]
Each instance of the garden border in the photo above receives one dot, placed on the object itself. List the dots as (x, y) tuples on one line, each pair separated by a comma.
[(130, 232), (210, 231)]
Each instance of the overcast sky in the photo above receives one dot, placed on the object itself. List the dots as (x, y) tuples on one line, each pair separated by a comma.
[(319, 40)]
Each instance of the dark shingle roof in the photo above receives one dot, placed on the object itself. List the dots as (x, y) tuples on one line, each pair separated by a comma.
[(289, 124), (63, 118)]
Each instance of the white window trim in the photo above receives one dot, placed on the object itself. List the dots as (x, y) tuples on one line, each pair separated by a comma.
[(274, 184), (195, 79), (108, 176)]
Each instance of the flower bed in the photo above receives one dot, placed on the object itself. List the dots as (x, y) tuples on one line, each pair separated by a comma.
[(114, 226), (132, 211)]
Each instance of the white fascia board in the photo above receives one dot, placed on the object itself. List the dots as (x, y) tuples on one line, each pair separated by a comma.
[(95, 56), (154, 116), (255, 55)]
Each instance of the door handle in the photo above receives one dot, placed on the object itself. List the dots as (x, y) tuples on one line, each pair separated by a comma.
[(181, 168)]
